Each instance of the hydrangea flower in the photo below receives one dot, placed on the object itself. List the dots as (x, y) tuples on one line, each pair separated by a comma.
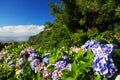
[(56, 75), (118, 77), (108, 48), (34, 63), (11, 64), (22, 53), (45, 59), (46, 74), (39, 68), (104, 66), (20, 62), (62, 62), (26, 52), (30, 59), (102, 63), (33, 56)]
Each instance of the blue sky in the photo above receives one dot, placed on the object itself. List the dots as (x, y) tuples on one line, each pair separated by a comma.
[(15, 12), (23, 13)]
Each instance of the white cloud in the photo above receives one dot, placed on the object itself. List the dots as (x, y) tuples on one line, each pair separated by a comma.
[(19, 31)]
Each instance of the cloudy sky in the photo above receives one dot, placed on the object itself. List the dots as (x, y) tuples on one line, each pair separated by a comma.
[(20, 19), (19, 32)]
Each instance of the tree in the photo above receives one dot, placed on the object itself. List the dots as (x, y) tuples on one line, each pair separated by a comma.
[(74, 19)]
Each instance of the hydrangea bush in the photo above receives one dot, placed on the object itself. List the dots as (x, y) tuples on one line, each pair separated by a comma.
[(92, 61)]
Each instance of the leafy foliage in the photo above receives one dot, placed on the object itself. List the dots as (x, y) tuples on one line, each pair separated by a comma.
[(75, 21)]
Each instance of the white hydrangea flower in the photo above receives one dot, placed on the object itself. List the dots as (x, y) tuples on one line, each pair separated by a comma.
[(118, 77)]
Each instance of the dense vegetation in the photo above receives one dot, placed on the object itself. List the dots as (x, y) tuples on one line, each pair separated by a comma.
[(75, 22)]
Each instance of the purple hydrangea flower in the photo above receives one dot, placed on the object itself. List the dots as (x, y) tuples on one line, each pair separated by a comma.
[(98, 48), (23, 52), (34, 63), (34, 55), (1, 57), (62, 63), (26, 52), (56, 75), (20, 62), (30, 59)]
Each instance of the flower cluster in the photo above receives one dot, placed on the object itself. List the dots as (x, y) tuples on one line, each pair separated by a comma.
[(118, 77), (56, 75), (31, 56), (102, 63), (62, 63), (39, 65), (45, 59)]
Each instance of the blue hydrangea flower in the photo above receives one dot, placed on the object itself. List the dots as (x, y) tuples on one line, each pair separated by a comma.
[(34, 63), (108, 48), (20, 61), (11, 64), (30, 59), (62, 63), (104, 66), (90, 43), (45, 59), (34, 55), (102, 63), (98, 48)]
